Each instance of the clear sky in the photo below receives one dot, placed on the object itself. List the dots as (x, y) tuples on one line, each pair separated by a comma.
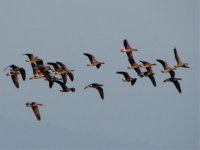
[(138, 117)]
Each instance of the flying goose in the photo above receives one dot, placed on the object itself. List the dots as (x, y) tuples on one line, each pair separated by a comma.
[(165, 66), (179, 61), (14, 71), (35, 108), (64, 87), (67, 71), (149, 73), (60, 68), (93, 61), (31, 58), (128, 49), (36, 72), (98, 87), (174, 80), (127, 77)]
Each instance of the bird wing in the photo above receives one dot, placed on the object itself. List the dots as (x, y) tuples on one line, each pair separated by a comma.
[(63, 66), (71, 76), (144, 62), (14, 67), (64, 77), (101, 93), (55, 65), (40, 62), (126, 44), (125, 74), (178, 60), (151, 77), (177, 85), (87, 86), (51, 83), (139, 72), (62, 84), (164, 63), (30, 56), (36, 112), (23, 73), (15, 80), (34, 68), (133, 81), (91, 57)]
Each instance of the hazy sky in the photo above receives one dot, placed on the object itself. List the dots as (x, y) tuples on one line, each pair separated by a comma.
[(138, 117)]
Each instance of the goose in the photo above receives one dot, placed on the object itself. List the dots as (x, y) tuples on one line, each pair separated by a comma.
[(98, 87), (14, 71), (35, 108), (149, 73), (179, 61), (31, 58), (135, 66), (36, 72), (128, 78), (93, 61), (174, 80), (64, 87), (60, 68), (67, 71), (165, 66), (128, 49)]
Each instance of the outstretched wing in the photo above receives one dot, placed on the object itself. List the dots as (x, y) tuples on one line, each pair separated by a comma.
[(30, 56), (151, 77), (15, 80), (63, 66), (87, 86), (23, 73), (101, 93), (71, 76), (163, 63), (91, 57), (177, 85), (125, 74), (62, 84), (178, 60), (55, 65), (126, 44), (36, 112)]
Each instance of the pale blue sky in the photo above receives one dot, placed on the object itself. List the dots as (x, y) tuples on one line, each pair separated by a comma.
[(138, 117)]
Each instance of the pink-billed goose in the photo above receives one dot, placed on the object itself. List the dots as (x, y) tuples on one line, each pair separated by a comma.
[(98, 87), (93, 61), (127, 77), (179, 61), (35, 108)]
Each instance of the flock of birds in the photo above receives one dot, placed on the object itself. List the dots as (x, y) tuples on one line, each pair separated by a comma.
[(51, 70)]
